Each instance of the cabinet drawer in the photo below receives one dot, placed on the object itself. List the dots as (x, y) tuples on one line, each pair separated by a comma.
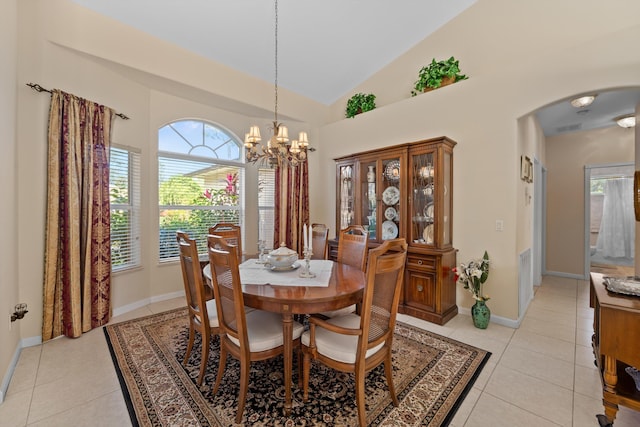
[(414, 261)]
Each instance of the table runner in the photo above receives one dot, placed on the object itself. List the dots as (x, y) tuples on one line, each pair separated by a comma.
[(254, 273)]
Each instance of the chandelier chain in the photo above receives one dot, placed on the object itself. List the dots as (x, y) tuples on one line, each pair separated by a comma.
[(276, 62), (278, 150)]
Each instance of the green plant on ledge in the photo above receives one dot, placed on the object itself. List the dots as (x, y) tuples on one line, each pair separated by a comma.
[(435, 74), (360, 103)]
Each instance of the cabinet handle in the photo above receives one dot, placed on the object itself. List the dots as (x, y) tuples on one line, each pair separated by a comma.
[(419, 287), (420, 263)]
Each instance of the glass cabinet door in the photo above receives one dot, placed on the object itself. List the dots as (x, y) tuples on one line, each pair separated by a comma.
[(422, 206), (446, 199), (390, 209), (368, 180), (346, 206)]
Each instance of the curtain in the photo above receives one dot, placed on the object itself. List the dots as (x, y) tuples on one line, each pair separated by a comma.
[(291, 206), (77, 272), (617, 229)]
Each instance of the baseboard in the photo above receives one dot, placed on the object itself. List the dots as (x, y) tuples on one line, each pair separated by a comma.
[(146, 301), (499, 320), (566, 275), (31, 341), (7, 377), (170, 295)]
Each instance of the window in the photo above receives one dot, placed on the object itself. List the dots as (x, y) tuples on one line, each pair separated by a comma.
[(200, 182), (124, 196), (266, 205)]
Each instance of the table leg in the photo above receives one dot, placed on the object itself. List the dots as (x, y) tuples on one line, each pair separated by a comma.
[(287, 335), (610, 376)]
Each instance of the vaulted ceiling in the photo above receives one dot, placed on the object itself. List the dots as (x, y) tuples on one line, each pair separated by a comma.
[(325, 48)]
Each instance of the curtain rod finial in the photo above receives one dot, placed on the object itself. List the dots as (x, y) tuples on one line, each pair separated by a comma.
[(37, 87)]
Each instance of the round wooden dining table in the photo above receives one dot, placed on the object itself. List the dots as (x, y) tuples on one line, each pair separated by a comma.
[(345, 288)]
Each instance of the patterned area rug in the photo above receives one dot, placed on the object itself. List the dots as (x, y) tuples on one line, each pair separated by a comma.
[(432, 375)]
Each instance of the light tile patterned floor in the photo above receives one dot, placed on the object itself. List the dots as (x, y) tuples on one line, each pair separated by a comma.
[(541, 374)]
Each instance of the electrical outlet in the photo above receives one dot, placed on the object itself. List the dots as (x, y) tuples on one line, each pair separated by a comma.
[(499, 225)]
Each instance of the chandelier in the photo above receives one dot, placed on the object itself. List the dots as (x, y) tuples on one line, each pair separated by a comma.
[(278, 151)]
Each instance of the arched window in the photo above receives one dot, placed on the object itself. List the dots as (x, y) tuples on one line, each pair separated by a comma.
[(200, 181)]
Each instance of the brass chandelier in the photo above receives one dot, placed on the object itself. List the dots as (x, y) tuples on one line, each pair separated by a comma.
[(278, 151)]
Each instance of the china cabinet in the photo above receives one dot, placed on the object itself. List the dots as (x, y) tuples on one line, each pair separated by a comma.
[(406, 191)]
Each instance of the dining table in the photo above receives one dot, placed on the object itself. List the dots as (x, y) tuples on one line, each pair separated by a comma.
[(335, 286)]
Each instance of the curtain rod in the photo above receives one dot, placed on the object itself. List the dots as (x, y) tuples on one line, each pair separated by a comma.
[(39, 88)]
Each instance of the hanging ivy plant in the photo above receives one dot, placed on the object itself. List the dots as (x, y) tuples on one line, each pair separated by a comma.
[(360, 103), (433, 75)]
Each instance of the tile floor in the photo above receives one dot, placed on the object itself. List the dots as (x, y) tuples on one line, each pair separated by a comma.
[(541, 374)]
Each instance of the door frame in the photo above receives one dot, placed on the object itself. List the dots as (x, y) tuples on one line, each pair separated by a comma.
[(539, 238), (587, 210)]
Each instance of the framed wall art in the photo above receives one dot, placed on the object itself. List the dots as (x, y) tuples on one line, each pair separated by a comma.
[(526, 169)]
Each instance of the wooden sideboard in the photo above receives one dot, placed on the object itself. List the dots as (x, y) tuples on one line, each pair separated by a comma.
[(616, 345)]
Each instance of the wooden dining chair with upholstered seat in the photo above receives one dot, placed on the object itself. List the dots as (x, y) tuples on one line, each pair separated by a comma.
[(352, 246), (358, 343), (247, 335), (232, 233), (352, 250), (203, 315), (319, 241)]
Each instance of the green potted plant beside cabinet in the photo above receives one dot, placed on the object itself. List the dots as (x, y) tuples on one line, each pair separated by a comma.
[(437, 74), (360, 103)]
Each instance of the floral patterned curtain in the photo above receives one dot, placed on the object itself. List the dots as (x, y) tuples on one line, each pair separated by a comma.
[(77, 273), (291, 206)]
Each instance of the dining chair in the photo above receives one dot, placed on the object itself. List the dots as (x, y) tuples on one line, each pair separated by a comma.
[(232, 234), (203, 315), (358, 343), (319, 241), (352, 246), (352, 250), (247, 336)]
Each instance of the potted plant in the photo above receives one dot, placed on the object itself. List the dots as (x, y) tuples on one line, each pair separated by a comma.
[(437, 74), (472, 275), (360, 103)]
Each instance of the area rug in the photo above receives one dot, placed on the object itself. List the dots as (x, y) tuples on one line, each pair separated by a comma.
[(432, 375)]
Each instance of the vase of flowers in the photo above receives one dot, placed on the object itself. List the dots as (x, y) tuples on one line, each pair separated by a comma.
[(472, 276)]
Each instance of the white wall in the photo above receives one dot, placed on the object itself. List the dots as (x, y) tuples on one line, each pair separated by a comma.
[(9, 278)]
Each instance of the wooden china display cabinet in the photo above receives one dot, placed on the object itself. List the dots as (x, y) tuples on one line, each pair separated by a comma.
[(406, 191)]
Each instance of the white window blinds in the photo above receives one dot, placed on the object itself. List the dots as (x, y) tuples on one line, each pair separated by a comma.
[(124, 196)]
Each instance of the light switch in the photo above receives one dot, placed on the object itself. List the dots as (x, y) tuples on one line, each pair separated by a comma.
[(499, 225)]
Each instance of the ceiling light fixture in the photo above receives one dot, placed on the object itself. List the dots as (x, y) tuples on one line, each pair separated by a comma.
[(278, 150), (626, 121), (583, 101)]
